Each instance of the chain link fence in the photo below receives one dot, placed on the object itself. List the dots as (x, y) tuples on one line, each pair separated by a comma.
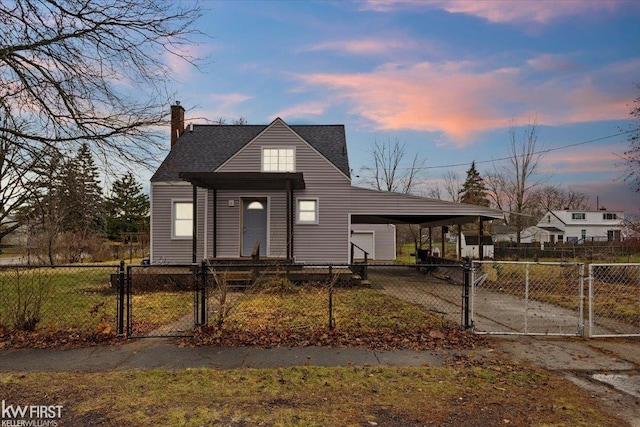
[(614, 300), (78, 299), (527, 298), (300, 300)]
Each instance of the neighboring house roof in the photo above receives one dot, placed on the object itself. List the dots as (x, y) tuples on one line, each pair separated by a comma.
[(204, 148), (501, 229)]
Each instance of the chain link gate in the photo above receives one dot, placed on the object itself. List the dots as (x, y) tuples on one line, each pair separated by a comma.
[(614, 300), (526, 298), (165, 300)]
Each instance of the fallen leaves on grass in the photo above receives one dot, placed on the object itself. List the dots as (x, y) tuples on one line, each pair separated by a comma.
[(61, 339), (379, 339)]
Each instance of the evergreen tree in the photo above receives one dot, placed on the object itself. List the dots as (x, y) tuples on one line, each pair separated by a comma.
[(127, 207), (81, 194), (473, 190)]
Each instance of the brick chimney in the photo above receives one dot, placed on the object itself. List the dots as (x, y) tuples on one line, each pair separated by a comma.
[(177, 122)]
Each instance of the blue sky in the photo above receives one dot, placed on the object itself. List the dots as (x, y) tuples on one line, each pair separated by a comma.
[(444, 78)]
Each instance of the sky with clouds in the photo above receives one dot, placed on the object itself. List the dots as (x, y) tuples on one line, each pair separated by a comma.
[(445, 78)]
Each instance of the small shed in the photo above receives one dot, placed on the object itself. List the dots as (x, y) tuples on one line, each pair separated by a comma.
[(471, 246)]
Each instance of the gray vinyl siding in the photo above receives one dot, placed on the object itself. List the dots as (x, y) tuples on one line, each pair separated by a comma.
[(164, 249), (326, 241)]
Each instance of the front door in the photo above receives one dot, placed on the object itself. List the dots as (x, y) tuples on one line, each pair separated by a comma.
[(254, 225)]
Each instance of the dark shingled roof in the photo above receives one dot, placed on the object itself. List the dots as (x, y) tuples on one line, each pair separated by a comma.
[(208, 146)]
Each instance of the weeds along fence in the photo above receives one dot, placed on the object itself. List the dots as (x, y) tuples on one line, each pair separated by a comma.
[(587, 251), (170, 300), (614, 300), (78, 299)]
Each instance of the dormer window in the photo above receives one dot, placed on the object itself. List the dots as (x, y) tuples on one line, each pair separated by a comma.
[(578, 215), (278, 160)]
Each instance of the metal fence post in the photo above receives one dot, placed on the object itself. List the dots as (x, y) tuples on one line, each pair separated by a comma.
[(129, 284), (203, 293), (121, 286), (331, 323), (466, 307)]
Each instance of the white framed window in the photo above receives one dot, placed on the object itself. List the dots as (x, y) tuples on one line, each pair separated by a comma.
[(609, 216), (307, 212), (578, 215), (278, 160), (182, 219)]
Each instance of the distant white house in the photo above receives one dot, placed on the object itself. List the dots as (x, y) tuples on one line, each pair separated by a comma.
[(531, 234), (575, 226)]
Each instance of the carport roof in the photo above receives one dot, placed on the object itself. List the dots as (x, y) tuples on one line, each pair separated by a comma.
[(381, 207), (425, 220)]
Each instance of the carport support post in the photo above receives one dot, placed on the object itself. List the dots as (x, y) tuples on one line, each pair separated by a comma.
[(443, 232), (459, 241), (194, 239), (465, 294), (480, 236)]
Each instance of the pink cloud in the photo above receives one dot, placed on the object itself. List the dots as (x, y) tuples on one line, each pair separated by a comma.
[(583, 159), (540, 12), (364, 46), (301, 110), (459, 100), (549, 63), (222, 105)]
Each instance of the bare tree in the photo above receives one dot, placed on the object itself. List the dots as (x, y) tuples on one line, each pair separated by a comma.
[(93, 71), (389, 173), (549, 198), (76, 72), (239, 121), (17, 177), (511, 184), (496, 184), (632, 155), (452, 186)]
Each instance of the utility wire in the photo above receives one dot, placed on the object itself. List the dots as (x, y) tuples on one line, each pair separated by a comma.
[(548, 150)]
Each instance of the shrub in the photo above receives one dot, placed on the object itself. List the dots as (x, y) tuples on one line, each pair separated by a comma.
[(22, 296)]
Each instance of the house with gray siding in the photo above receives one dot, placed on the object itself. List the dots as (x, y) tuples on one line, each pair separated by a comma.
[(223, 189)]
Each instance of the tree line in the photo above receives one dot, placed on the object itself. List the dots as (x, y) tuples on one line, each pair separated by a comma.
[(512, 185), (65, 214)]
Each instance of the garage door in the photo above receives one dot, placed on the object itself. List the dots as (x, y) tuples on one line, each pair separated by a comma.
[(365, 240)]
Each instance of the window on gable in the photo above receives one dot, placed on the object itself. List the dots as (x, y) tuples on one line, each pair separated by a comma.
[(578, 215), (182, 220), (278, 160), (307, 211)]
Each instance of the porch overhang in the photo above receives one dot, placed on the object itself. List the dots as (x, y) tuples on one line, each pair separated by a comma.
[(245, 180), (255, 181)]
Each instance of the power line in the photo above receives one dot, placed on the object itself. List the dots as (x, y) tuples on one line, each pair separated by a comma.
[(534, 153)]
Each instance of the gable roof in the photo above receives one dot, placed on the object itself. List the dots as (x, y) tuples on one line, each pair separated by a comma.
[(203, 148)]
